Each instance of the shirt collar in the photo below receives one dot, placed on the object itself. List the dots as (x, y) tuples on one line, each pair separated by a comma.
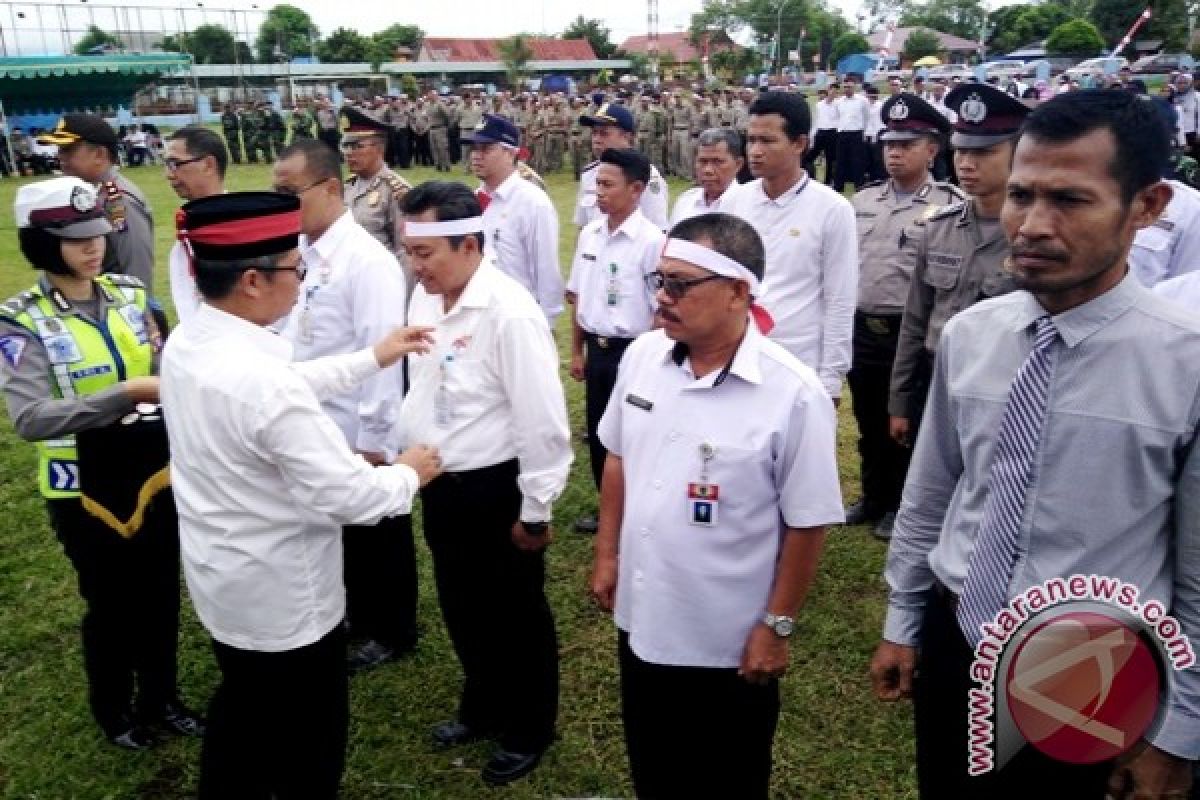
[(629, 227), (257, 336), (746, 362), (1077, 324), (478, 291), (787, 196), (329, 241), (506, 188)]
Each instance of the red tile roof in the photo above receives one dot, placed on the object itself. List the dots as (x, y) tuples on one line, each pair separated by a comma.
[(467, 50), (676, 44)]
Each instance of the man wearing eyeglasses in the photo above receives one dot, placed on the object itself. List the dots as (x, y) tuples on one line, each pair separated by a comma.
[(720, 479), (611, 304), (353, 294), (195, 167)]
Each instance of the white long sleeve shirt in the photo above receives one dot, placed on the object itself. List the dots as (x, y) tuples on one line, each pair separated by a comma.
[(811, 282), (691, 203), (520, 226), (825, 116), (489, 391), (183, 286), (353, 295), (1171, 246), (853, 113), (264, 481)]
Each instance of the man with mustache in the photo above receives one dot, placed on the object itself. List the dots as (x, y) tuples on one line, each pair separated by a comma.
[(1007, 491), (960, 250)]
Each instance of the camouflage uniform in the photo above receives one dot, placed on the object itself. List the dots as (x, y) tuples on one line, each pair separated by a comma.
[(302, 124), (277, 129), (231, 125)]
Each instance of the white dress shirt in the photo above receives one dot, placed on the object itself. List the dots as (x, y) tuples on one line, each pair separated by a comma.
[(811, 283), (489, 391), (853, 113), (689, 595), (826, 116), (944, 109), (692, 204), (264, 481), (1171, 246), (875, 124), (653, 203), (619, 260), (1183, 290), (352, 296), (521, 229), (184, 295)]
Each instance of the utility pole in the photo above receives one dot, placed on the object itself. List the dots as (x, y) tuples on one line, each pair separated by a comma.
[(652, 40)]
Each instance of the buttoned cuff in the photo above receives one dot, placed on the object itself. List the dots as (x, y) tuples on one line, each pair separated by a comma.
[(1179, 734), (902, 626), (373, 443), (533, 510)]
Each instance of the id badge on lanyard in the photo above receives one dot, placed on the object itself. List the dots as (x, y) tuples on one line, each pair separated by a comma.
[(703, 497)]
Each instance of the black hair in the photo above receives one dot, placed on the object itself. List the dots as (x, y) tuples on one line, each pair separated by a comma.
[(448, 200), (1143, 144), (215, 279), (201, 142), (792, 107), (730, 236), (633, 164), (43, 250), (321, 163)]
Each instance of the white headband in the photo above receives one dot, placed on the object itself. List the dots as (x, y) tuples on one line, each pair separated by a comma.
[(451, 227), (712, 261)]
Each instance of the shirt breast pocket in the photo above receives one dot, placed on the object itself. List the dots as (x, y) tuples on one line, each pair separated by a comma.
[(941, 275)]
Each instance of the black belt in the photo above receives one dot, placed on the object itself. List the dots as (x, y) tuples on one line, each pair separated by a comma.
[(945, 596), (607, 342)]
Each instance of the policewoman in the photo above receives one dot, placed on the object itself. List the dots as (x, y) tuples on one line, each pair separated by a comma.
[(79, 356)]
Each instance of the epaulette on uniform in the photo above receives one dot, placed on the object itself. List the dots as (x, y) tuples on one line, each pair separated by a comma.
[(399, 186), (17, 303), (951, 189), (939, 212), (870, 185), (121, 279)]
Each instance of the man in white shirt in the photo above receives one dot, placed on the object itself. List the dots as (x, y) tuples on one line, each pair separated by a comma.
[(808, 229), (354, 292), (195, 166), (613, 127), (853, 116), (1187, 105), (611, 304), (720, 480), (519, 219), (719, 159), (875, 126), (489, 398), (823, 135), (263, 480), (943, 165), (1171, 246)]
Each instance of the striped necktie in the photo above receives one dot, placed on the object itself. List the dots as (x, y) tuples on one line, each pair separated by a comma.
[(989, 570)]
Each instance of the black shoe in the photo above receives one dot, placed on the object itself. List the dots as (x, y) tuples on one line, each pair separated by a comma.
[(587, 524), (177, 718), (134, 737), (861, 513), (454, 733), (372, 654), (504, 767), (883, 529)]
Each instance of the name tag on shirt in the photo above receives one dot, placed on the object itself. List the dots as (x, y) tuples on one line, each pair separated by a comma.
[(639, 402), (702, 504)]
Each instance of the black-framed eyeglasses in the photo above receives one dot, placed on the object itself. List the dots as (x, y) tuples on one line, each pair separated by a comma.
[(300, 268), (676, 288), (173, 164), (297, 192)]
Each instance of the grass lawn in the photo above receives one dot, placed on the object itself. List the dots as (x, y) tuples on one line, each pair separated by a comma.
[(834, 739)]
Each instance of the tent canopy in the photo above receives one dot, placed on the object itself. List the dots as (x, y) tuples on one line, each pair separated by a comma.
[(56, 83), (927, 61)]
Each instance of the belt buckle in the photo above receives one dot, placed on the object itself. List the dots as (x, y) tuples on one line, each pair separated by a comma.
[(602, 342), (877, 326)]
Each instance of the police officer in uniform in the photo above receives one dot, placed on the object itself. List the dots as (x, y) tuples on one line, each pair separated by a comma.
[(960, 250), (87, 149), (327, 124), (468, 120), (231, 124), (276, 127), (302, 122), (439, 127), (373, 192), (79, 354), (884, 212)]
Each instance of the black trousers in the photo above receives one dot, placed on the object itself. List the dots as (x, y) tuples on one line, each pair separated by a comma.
[(851, 160), (599, 375), (402, 147), (875, 168), (424, 154), (380, 570), (494, 604), (695, 732), (940, 717), (884, 462), (277, 724), (824, 143), (455, 143), (130, 589)]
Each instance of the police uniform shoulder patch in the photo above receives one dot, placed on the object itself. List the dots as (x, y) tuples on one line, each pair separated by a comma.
[(121, 279), (955, 194), (941, 212), (11, 347), (399, 186), (591, 165)]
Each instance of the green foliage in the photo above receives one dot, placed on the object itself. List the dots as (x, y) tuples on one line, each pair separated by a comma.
[(639, 63), (208, 44), (345, 46), (761, 17), (1168, 23), (516, 55), (95, 37), (1014, 27), (1075, 38), (921, 43), (848, 44), (385, 42), (594, 31), (286, 32), (963, 18), (409, 85)]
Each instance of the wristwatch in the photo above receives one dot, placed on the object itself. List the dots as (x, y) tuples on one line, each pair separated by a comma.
[(535, 528), (781, 626)]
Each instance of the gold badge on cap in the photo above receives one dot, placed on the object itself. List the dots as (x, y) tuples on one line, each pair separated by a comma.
[(373, 197), (973, 109)]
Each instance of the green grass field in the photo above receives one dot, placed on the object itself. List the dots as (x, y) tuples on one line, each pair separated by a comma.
[(834, 739)]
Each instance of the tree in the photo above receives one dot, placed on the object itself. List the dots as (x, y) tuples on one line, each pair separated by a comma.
[(96, 38), (409, 86), (963, 18), (819, 26), (287, 28), (345, 46), (1168, 23), (1013, 27), (385, 42), (516, 55), (921, 43), (848, 44), (594, 31), (208, 44), (1075, 38)]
